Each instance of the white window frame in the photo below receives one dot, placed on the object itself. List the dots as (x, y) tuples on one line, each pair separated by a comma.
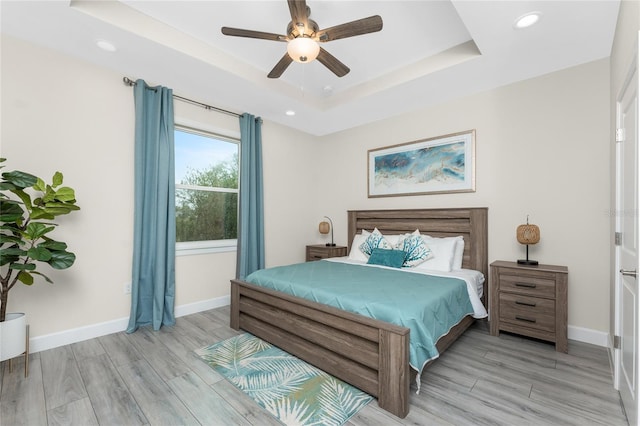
[(187, 248)]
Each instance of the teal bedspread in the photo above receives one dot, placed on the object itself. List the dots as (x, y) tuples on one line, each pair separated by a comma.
[(428, 305)]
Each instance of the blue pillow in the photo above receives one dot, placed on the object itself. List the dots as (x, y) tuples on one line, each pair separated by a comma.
[(385, 257)]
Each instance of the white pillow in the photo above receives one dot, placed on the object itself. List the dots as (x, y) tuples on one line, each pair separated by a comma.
[(443, 250), (393, 239), (355, 253), (458, 252)]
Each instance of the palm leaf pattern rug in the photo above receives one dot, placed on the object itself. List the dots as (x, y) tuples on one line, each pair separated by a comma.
[(293, 391)]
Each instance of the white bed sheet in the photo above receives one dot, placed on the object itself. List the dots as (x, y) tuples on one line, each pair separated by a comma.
[(474, 279)]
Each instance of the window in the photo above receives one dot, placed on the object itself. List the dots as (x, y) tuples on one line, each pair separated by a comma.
[(206, 169)]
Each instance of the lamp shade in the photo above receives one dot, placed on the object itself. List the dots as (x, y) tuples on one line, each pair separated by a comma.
[(324, 227), (528, 234), (303, 49)]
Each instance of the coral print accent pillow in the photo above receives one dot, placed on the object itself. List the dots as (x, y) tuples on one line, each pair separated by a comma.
[(374, 240), (417, 251)]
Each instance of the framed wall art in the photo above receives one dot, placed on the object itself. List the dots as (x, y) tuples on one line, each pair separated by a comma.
[(443, 164)]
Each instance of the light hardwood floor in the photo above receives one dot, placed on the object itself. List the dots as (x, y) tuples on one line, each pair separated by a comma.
[(155, 378)]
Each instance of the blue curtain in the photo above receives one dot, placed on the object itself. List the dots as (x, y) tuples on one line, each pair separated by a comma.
[(251, 211), (153, 277)]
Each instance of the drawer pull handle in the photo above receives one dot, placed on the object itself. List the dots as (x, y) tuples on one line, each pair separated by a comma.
[(533, 305), (527, 285), (525, 319)]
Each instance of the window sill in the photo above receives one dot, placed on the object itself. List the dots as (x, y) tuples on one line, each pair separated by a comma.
[(205, 247)]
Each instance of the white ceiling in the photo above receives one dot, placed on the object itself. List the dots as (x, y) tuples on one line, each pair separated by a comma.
[(428, 52)]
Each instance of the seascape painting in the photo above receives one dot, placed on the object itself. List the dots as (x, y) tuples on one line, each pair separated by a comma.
[(435, 165)]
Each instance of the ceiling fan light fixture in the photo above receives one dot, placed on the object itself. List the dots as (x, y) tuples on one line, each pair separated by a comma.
[(303, 49)]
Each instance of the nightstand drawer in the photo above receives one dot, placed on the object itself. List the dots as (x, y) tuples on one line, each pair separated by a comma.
[(317, 254), (321, 251), (529, 312), (533, 286)]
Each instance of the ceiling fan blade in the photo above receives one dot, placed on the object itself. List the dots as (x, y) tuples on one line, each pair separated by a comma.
[(299, 12), (281, 66), (368, 25), (238, 32), (331, 62)]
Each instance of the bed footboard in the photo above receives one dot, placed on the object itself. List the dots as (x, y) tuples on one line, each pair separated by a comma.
[(369, 354)]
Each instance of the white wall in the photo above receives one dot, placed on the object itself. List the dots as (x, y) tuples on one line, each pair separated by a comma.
[(59, 113), (542, 150)]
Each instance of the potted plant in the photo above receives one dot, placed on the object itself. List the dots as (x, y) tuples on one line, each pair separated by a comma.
[(25, 243)]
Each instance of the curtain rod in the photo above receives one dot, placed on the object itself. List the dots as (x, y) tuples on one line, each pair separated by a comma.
[(130, 82)]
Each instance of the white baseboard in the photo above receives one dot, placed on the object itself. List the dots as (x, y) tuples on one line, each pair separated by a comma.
[(54, 340), (587, 335)]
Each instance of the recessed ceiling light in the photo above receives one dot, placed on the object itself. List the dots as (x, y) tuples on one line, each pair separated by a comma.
[(290, 113), (527, 20), (106, 45)]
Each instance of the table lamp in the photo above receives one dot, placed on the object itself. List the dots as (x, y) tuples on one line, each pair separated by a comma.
[(528, 234), (324, 228)]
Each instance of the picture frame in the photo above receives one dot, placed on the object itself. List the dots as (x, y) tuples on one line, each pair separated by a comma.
[(439, 165)]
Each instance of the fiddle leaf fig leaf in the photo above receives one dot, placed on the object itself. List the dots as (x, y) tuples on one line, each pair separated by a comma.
[(61, 259), (36, 230), (49, 195), (39, 253), (4, 238), (58, 209), (26, 198), (38, 213), (25, 277), (13, 251), (66, 194), (10, 212), (53, 245), (6, 259), (20, 179), (23, 266), (57, 179), (40, 185)]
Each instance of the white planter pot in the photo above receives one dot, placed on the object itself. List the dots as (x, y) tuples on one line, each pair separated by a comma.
[(13, 336)]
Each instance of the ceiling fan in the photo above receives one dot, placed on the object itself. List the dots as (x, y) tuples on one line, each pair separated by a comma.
[(304, 35)]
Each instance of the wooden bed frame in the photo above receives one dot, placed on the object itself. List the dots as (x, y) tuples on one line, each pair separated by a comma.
[(371, 355)]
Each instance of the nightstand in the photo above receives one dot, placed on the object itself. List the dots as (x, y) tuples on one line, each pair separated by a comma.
[(529, 300), (321, 251)]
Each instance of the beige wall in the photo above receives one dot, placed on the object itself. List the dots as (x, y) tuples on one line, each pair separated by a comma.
[(623, 52), (541, 150), (59, 113)]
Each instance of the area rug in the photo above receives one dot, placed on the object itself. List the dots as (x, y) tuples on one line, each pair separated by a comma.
[(293, 391)]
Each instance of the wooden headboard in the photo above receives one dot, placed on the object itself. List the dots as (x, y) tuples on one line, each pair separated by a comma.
[(471, 223)]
